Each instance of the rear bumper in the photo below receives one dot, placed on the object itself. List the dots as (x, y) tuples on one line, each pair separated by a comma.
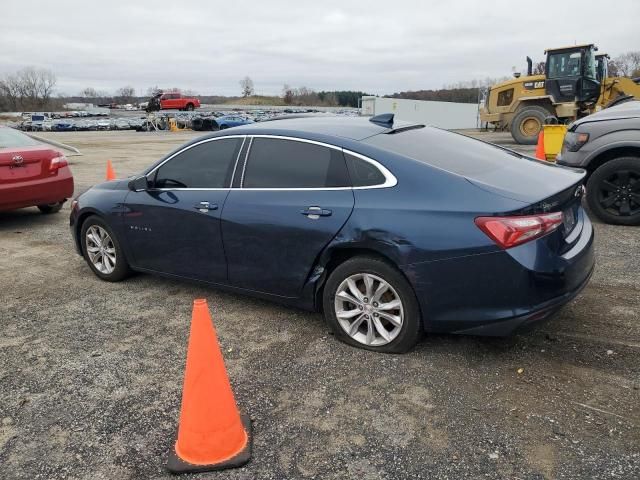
[(501, 292), (37, 192)]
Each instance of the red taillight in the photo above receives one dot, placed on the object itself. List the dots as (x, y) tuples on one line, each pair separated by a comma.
[(511, 231), (57, 163)]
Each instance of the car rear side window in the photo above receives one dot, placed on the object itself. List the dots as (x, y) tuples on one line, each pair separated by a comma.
[(363, 173), (207, 165), (276, 163)]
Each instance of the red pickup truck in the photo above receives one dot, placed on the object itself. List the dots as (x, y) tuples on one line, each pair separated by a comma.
[(176, 101)]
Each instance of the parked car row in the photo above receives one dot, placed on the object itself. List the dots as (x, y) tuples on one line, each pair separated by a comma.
[(68, 125)]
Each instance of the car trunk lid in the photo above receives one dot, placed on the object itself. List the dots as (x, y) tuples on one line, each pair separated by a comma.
[(27, 163)]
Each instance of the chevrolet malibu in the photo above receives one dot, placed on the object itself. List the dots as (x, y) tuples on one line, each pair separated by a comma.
[(388, 228)]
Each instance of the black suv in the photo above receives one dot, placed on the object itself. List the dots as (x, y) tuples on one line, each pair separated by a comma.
[(607, 145)]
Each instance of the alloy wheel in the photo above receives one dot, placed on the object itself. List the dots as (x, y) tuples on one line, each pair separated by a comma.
[(369, 309), (620, 193), (100, 249)]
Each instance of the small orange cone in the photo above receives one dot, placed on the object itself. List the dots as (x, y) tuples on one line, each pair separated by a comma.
[(212, 434), (540, 155), (111, 175)]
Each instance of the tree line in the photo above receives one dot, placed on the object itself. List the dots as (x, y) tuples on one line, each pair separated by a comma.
[(32, 89)]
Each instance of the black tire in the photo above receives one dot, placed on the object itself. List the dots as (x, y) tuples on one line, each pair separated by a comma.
[(122, 269), (411, 328), (223, 127), (190, 107), (51, 207), (525, 116), (612, 188)]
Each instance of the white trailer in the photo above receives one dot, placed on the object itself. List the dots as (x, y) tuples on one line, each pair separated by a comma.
[(449, 115)]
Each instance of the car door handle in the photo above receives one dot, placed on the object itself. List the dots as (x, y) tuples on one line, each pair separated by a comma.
[(316, 212), (204, 207)]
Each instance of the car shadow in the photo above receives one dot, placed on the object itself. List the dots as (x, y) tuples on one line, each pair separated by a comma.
[(28, 217)]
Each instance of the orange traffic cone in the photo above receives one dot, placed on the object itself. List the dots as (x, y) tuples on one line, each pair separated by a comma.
[(212, 434), (540, 155), (111, 175)]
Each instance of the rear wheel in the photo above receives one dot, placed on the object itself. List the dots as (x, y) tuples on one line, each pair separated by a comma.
[(369, 304), (527, 123), (51, 207), (613, 191), (102, 251), (190, 107)]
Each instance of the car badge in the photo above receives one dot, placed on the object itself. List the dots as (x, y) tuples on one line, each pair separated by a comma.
[(17, 160)]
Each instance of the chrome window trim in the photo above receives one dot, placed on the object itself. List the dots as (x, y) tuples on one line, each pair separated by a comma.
[(235, 165), (390, 179)]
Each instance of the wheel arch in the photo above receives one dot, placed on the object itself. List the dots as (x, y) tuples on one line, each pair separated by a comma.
[(602, 157), (79, 221), (331, 258)]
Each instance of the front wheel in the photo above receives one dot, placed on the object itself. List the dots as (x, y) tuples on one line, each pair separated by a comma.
[(102, 251), (50, 207), (613, 191), (190, 107), (369, 304)]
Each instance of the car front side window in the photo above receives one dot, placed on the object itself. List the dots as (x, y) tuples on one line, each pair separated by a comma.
[(206, 165)]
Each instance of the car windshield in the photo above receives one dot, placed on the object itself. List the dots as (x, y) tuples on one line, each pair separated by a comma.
[(10, 138)]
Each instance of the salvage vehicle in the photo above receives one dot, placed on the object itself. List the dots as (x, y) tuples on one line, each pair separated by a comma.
[(229, 121), (389, 228), (32, 174), (172, 101), (607, 145)]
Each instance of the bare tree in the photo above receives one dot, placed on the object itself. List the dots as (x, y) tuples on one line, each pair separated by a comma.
[(627, 64), (89, 92), (246, 84), (126, 94), (29, 88), (539, 68), (287, 94)]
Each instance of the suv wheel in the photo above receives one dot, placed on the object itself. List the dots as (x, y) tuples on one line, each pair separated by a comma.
[(102, 251), (613, 191), (369, 304)]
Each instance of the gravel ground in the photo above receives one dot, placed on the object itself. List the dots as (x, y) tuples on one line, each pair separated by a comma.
[(91, 372)]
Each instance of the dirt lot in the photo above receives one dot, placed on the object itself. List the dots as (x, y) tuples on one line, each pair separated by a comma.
[(91, 372)]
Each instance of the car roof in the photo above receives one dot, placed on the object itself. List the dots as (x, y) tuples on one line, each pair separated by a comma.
[(353, 128)]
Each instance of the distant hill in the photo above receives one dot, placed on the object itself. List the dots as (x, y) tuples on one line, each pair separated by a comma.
[(460, 95)]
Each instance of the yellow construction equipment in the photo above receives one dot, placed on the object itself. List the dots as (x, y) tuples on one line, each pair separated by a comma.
[(576, 83)]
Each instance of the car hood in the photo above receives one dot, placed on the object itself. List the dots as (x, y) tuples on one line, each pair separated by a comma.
[(630, 109)]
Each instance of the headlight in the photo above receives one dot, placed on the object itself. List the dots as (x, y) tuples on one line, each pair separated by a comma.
[(573, 141)]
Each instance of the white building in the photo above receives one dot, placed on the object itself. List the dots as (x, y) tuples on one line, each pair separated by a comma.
[(449, 115)]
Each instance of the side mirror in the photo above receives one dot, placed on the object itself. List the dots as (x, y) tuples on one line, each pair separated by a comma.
[(139, 184)]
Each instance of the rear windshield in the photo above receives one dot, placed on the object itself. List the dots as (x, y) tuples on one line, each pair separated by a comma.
[(449, 151), (10, 138)]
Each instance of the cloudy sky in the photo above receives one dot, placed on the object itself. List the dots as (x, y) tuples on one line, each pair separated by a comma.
[(376, 46)]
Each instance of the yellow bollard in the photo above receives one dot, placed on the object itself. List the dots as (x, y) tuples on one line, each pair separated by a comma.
[(553, 138)]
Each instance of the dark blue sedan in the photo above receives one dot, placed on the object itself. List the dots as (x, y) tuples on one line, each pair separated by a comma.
[(389, 228)]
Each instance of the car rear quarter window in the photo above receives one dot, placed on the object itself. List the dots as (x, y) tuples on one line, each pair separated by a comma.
[(277, 163), (363, 173), (207, 165)]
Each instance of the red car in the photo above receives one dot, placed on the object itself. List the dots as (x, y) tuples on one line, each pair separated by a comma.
[(176, 101), (32, 173)]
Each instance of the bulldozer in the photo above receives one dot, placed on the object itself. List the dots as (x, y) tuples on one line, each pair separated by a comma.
[(575, 84)]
